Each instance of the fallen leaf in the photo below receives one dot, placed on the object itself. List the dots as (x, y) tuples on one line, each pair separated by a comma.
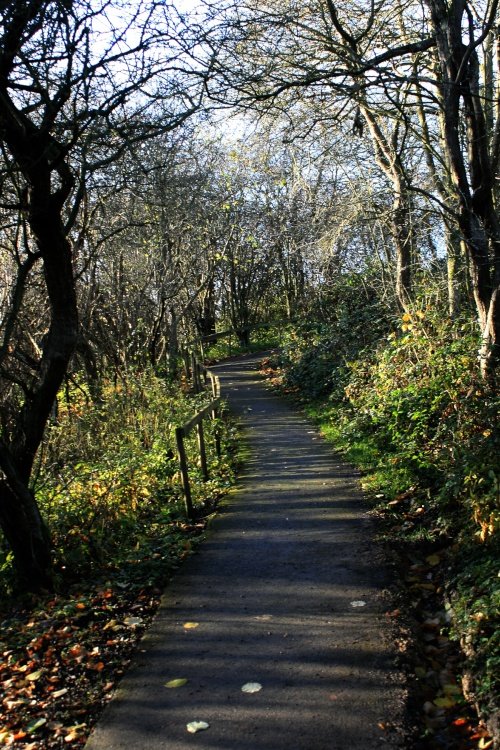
[(110, 624), (358, 603), (132, 622), (190, 625), (251, 687), (197, 726), (446, 702), (59, 693), (179, 682), (34, 676), (35, 724)]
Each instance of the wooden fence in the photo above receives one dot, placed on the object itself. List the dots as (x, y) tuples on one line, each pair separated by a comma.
[(200, 376)]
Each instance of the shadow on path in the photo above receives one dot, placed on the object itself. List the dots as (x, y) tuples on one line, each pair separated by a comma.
[(287, 591)]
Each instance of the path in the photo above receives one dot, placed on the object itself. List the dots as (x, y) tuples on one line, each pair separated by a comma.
[(277, 590)]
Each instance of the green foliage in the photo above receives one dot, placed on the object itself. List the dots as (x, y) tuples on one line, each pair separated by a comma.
[(317, 350), (418, 403), (475, 600), (261, 338), (108, 483), (413, 414)]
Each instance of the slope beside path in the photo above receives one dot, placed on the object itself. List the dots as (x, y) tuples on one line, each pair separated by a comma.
[(286, 592)]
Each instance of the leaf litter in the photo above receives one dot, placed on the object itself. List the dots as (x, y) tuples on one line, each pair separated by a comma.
[(62, 655)]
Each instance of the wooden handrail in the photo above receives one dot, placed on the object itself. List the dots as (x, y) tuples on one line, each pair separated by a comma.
[(183, 431)]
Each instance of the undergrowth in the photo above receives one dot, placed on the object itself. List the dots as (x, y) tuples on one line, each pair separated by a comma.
[(107, 480), (410, 410), (264, 337)]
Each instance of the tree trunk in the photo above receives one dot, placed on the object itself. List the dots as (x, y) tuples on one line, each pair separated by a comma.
[(243, 335), (400, 225), (26, 535), (173, 345), (473, 180), (19, 515)]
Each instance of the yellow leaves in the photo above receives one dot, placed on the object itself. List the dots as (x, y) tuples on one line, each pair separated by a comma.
[(447, 701), (484, 743), (176, 683), (34, 676), (190, 625), (479, 616), (410, 320), (487, 525)]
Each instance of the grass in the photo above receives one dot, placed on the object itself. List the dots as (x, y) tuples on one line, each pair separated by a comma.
[(261, 339)]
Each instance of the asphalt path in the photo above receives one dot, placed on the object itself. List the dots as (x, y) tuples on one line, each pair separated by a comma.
[(286, 593)]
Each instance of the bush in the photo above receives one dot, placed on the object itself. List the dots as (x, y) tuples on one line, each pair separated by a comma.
[(413, 413), (107, 482), (420, 402), (346, 321)]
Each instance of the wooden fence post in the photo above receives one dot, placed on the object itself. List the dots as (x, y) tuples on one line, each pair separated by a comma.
[(181, 452), (203, 452)]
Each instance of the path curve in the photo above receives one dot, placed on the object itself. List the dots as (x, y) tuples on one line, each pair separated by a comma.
[(288, 593)]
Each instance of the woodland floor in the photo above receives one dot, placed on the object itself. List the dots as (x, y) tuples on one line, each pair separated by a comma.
[(289, 597)]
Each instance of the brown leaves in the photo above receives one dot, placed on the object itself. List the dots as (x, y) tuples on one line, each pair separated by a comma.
[(59, 663), (444, 714)]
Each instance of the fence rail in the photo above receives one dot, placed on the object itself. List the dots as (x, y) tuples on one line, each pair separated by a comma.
[(200, 376)]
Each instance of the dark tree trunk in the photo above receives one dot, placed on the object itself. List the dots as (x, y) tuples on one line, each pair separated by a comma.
[(19, 514), (243, 335), (26, 535), (473, 179)]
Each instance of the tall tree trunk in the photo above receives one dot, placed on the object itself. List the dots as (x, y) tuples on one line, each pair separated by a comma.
[(19, 514), (401, 228), (473, 180)]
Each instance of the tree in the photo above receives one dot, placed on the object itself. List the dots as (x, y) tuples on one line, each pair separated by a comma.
[(377, 62), (79, 82), (471, 142)]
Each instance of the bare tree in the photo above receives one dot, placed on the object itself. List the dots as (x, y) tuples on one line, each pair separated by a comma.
[(79, 82)]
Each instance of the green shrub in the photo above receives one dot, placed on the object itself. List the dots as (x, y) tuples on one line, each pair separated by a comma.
[(107, 481)]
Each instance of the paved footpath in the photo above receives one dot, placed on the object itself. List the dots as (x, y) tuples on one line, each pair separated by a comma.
[(287, 592)]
